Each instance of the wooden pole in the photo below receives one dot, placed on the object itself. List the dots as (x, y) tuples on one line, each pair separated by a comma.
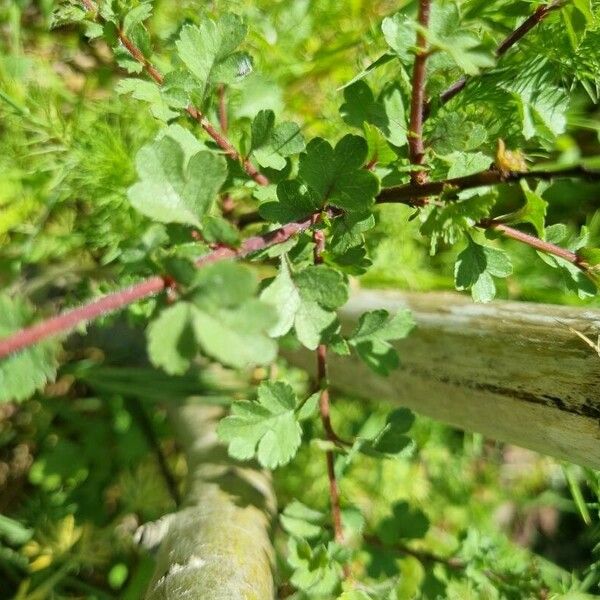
[(512, 371), (217, 546)]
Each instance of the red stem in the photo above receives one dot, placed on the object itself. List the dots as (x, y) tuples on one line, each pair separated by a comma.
[(533, 241), (416, 149), (71, 318), (334, 493), (408, 191)]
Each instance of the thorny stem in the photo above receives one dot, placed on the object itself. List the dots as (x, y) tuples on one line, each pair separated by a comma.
[(334, 494), (409, 191), (534, 242), (71, 318), (508, 42), (195, 113), (416, 149)]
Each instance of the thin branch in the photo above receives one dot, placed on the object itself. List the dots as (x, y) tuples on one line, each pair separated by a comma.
[(334, 494), (194, 112), (66, 321), (409, 194), (534, 242), (324, 409), (404, 193), (508, 42), (416, 149)]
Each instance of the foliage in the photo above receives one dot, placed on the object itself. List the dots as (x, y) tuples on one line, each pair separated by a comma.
[(141, 145)]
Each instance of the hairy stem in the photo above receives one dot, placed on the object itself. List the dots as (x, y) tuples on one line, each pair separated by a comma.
[(508, 42), (69, 319), (534, 242), (416, 149), (334, 493), (409, 191), (407, 194), (218, 136)]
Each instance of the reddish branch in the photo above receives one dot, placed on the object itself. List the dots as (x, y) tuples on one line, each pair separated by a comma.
[(68, 320), (404, 193), (195, 113), (416, 149), (533, 241), (408, 194), (334, 493), (508, 42)]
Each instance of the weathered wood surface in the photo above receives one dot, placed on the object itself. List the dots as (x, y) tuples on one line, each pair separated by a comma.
[(217, 546), (512, 371)]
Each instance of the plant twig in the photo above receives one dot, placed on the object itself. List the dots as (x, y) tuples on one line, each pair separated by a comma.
[(195, 113), (409, 194), (69, 319), (404, 193), (534, 242), (508, 42), (416, 149), (334, 494)]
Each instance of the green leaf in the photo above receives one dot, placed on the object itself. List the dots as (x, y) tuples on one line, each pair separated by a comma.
[(23, 373), (136, 16), (171, 341), (388, 441), (476, 265), (161, 105), (14, 532), (216, 229), (380, 152), (314, 569), (336, 175), (67, 13), (445, 33), (534, 211), (399, 33), (237, 337), (404, 523), (373, 334), (467, 163), (326, 175), (267, 429), (209, 51), (221, 318), (306, 301), (295, 201), (542, 104), (450, 222), (387, 113), (301, 521), (451, 132), (272, 143), (379, 62), (172, 190)]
